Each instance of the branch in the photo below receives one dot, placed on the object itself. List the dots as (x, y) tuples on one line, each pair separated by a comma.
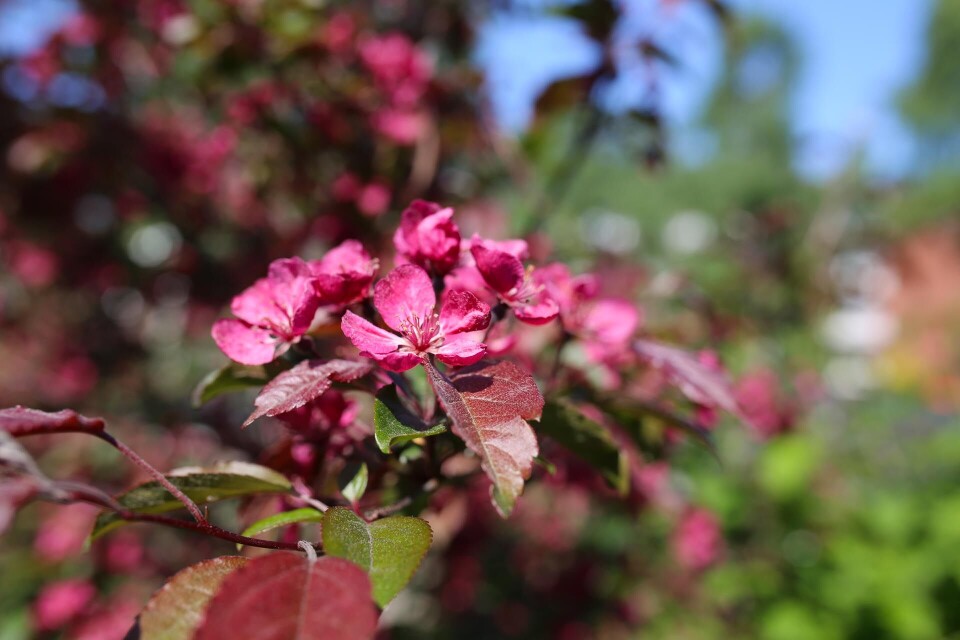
[(86, 493), (155, 474)]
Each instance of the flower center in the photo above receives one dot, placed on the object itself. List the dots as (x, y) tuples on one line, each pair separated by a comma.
[(422, 333), (528, 292)]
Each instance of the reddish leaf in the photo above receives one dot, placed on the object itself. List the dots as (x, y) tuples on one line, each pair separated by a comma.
[(284, 596), (304, 382), (21, 421), (174, 611), (697, 382), (489, 404)]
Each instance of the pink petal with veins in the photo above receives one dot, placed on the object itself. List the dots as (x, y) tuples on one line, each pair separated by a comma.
[(243, 343), (540, 312), (499, 269), (368, 337), (255, 305), (461, 311), (343, 276), (460, 349), (405, 293)]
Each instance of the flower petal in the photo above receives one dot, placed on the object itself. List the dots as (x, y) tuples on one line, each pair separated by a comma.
[(244, 343), (540, 312), (377, 344), (368, 337), (255, 305), (344, 274), (460, 349), (610, 321), (517, 248), (406, 238), (461, 311), (499, 269), (293, 291), (347, 257), (400, 361), (405, 292), (440, 240)]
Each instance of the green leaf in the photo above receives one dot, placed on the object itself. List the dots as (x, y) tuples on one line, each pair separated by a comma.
[(394, 424), (176, 610), (202, 485), (354, 480), (227, 379), (284, 519), (588, 440), (390, 550)]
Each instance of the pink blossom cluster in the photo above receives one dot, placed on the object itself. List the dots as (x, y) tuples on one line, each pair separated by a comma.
[(440, 300)]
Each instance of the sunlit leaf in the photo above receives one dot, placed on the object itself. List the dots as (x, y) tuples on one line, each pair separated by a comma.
[(394, 424), (489, 404), (286, 596), (176, 610), (390, 549)]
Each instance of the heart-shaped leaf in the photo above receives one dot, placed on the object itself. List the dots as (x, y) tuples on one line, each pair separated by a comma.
[(227, 379), (586, 439), (284, 596), (203, 486), (390, 549), (175, 611), (21, 421), (489, 404), (394, 424), (304, 382)]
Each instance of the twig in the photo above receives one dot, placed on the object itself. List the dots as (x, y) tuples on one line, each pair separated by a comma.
[(155, 474), (85, 493)]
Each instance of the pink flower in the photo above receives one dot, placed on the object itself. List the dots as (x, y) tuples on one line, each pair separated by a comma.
[(515, 286), (271, 314), (344, 275), (373, 199), (403, 126), (465, 274), (406, 301), (428, 237), (398, 67), (697, 541), (61, 602), (605, 325), (277, 310), (759, 397)]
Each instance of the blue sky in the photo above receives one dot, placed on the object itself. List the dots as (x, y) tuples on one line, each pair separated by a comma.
[(856, 55)]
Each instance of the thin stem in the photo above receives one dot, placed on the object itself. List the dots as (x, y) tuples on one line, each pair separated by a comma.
[(159, 477), (85, 493), (565, 339), (380, 512)]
